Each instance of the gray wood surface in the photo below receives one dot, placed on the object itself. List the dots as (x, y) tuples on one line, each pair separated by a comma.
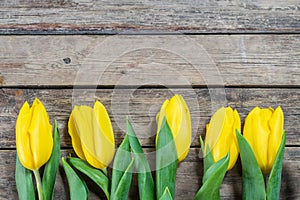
[(189, 16), (133, 55), (188, 181), (177, 60), (142, 105)]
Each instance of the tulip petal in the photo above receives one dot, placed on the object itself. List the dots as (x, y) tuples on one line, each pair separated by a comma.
[(22, 137), (214, 133), (174, 114), (40, 134), (104, 136), (220, 135), (85, 121), (256, 132), (276, 126), (234, 148), (183, 138), (178, 117), (92, 135), (74, 133)]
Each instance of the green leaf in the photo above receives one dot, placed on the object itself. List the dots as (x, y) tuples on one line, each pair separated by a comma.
[(78, 188), (253, 180), (51, 167), (207, 159), (166, 161), (122, 169), (145, 179), (124, 184), (212, 180), (24, 181), (274, 182), (166, 195), (94, 174)]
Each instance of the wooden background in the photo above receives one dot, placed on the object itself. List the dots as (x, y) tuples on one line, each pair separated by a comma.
[(249, 54)]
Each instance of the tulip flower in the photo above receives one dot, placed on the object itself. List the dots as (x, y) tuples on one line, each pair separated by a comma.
[(178, 118), (33, 135), (220, 135), (263, 130), (92, 134)]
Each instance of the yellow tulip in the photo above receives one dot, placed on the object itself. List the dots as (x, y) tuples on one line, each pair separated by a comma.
[(34, 139), (221, 135), (263, 130), (178, 118), (92, 134)]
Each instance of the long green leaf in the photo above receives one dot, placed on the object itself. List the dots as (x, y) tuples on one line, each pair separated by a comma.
[(166, 195), (24, 181), (274, 183), (78, 188), (253, 180), (124, 184), (212, 180), (145, 179), (120, 168), (166, 161), (207, 158), (94, 174), (51, 167)]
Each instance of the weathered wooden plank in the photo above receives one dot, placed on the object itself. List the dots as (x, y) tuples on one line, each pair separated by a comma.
[(188, 178), (142, 105), (188, 16), (174, 60)]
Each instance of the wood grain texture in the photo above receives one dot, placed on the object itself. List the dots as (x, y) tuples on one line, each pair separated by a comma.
[(109, 61), (188, 181), (142, 105), (180, 16)]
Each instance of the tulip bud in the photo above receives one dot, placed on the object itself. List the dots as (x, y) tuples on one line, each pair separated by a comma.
[(34, 139), (92, 134), (220, 135), (178, 118), (263, 130)]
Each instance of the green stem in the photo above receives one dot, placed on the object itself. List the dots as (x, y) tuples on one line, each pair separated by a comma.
[(39, 184), (104, 170)]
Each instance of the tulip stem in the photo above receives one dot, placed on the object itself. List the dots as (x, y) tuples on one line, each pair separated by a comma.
[(104, 170), (39, 184)]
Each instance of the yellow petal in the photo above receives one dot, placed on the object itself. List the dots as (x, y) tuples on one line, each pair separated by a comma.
[(104, 122), (74, 133), (40, 134), (174, 114), (183, 137), (276, 124), (97, 147), (256, 132), (22, 137), (82, 116), (223, 142), (178, 117), (221, 137), (213, 133), (104, 136), (234, 148)]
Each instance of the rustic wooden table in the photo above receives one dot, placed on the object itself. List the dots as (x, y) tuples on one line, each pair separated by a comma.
[(65, 52)]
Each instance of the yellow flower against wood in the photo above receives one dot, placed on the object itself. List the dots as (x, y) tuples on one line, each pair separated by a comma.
[(34, 139), (263, 130), (178, 118), (92, 134), (220, 135)]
